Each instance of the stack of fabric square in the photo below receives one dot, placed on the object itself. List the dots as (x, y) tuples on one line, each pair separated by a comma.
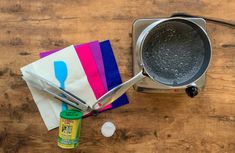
[(91, 71)]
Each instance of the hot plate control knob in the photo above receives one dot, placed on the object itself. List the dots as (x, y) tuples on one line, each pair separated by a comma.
[(191, 91)]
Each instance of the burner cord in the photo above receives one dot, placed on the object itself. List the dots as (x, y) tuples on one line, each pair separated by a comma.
[(218, 21)]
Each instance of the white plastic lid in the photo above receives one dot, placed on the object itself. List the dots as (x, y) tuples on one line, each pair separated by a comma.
[(108, 129)]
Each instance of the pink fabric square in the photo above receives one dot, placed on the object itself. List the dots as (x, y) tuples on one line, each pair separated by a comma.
[(90, 68)]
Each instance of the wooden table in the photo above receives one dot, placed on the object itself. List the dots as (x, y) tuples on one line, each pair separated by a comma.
[(151, 123)]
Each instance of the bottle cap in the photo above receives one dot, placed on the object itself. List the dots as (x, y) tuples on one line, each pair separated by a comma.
[(108, 129)]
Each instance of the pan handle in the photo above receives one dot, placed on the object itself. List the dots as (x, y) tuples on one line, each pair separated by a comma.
[(116, 92)]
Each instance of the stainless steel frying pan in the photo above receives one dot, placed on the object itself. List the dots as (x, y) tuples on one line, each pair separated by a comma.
[(175, 52)]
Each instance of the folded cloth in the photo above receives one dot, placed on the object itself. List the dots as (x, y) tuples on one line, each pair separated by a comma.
[(112, 74), (77, 83)]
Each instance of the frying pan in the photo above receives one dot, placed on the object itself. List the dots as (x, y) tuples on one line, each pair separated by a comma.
[(174, 52)]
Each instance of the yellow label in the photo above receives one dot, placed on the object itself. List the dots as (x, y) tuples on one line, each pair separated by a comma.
[(69, 132)]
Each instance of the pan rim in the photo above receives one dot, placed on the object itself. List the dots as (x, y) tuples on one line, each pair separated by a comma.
[(141, 39)]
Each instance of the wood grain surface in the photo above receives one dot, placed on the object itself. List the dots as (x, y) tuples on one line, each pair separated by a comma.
[(151, 123)]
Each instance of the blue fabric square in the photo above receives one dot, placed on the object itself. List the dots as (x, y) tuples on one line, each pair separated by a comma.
[(113, 77)]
